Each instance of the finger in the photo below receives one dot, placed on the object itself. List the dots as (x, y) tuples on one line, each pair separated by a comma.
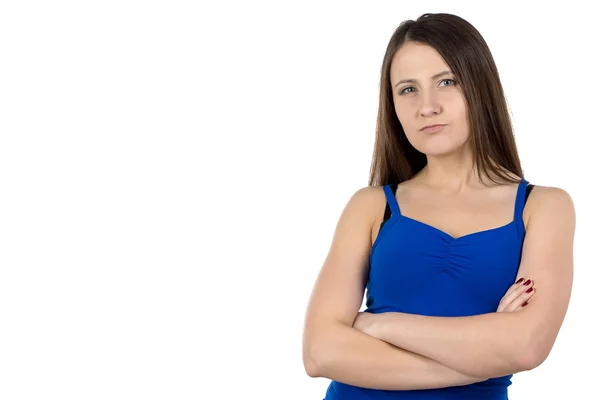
[(511, 295), (520, 300), (508, 299), (516, 284), (522, 306), (519, 284)]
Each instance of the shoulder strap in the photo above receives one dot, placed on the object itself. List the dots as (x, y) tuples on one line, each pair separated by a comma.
[(391, 204), (527, 191), (522, 195)]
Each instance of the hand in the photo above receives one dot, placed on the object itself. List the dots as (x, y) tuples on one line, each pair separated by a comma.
[(516, 296), (365, 322)]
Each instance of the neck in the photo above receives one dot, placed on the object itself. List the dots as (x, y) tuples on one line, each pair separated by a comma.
[(452, 173)]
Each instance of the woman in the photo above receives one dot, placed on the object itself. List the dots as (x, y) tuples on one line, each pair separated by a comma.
[(438, 238)]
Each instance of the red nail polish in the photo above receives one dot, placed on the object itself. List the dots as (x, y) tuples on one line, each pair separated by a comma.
[(529, 290), (524, 304), (519, 281), (528, 282)]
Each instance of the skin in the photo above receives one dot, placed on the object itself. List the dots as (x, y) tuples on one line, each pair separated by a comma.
[(450, 183), (429, 101), (401, 351)]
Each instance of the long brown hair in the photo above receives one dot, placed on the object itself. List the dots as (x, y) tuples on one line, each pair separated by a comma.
[(465, 51)]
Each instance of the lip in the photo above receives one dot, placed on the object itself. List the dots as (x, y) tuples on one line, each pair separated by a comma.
[(433, 128)]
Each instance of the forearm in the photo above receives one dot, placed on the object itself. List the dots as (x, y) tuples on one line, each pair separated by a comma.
[(352, 357), (489, 345)]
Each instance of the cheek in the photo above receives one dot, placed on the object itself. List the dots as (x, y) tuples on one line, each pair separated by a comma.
[(406, 116), (461, 109), (462, 121)]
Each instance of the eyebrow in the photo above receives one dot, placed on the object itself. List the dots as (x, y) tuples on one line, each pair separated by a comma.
[(432, 78)]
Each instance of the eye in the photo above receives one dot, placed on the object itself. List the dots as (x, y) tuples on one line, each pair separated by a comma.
[(403, 91), (449, 80)]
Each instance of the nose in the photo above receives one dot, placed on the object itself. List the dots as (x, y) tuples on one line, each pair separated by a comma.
[(429, 105)]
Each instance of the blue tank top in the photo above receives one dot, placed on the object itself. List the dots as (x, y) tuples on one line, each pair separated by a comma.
[(418, 269)]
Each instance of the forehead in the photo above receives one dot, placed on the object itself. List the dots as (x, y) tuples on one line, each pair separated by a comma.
[(416, 61)]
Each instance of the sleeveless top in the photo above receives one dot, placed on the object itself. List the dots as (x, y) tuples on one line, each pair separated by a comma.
[(419, 269)]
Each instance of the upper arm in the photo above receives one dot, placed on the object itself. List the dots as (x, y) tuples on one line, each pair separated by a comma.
[(547, 259), (339, 288)]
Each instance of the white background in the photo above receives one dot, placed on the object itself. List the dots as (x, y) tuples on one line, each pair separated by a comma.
[(171, 174)]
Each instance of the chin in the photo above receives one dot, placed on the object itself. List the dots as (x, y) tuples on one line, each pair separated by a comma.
[(440, 147)]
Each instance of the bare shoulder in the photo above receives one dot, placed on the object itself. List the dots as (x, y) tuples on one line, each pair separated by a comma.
[(551, 203), (550, 196), (370, 194), (367, 200), (372, 203)]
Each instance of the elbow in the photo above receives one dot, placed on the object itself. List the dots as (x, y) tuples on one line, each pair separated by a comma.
[(311, 369), (537, 358), (310, 358), (317, 351), (533, 355), (524, 362), (529, 361), (310, 365), (317, 360)]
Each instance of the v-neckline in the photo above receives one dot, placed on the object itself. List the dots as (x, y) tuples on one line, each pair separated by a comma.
[(468, 235), (453, 238)]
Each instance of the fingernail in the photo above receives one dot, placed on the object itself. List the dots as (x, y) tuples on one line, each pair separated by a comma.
[(528, 282), (524, 304), (519, 281), (529, 290)]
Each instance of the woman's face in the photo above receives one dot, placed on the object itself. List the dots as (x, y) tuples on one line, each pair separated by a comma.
[(432, 97)]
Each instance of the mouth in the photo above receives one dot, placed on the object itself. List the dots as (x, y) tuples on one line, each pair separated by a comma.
[(433, 128)]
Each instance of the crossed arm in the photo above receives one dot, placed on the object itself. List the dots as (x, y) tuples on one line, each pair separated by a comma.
[(405, 351), (497, 344)]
